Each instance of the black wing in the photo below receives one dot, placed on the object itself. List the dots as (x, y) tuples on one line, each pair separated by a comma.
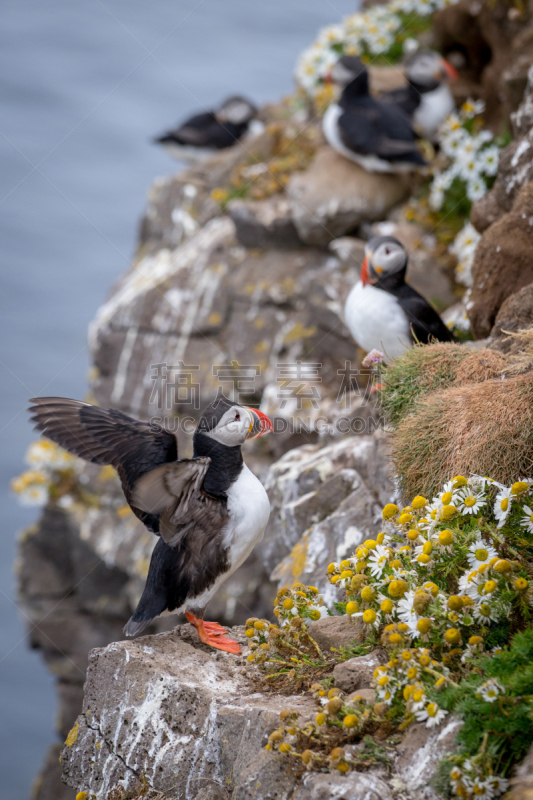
[(373, 128), (106, 436), (407, 98), (174, 491), (204, 130), (424, 321)]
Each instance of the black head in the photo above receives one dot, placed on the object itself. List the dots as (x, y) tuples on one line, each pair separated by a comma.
[(236, 110), (349, 71), (385, 261), (427, 69), (230, 424)]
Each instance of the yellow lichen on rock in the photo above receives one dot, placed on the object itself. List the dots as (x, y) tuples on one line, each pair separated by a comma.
[(72, 735)]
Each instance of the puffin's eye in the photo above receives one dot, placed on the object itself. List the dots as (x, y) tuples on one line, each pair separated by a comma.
[(237, 417), (387, 251)]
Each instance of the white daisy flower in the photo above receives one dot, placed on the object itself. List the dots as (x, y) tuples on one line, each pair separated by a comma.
[(452, 143), (321, 609), (432, 715), (36, 495), (377, 560), (488, 160), (498, 785), (471, 108), (386, 694), (485, 612), (469, 502), (490, 690), (405, 607), (502, 505), (481, 788), (476, 188), (472, 584), (480, 553), (527, 520)]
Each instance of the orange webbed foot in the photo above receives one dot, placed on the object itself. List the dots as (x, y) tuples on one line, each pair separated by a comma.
[(213, 634), (214, 628)]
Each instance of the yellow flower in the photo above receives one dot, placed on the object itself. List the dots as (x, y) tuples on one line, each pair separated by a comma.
[(413, 535), (331, 568), (370, 544), (390, 510), (459, 481), (521, 584), (398, 588), (502, 566), (452, 636), (350, 721), (387, 605), (352, 607), (447, 498), (321, 718), (405, 519), (367, 594), (419, 502), (446, 537), (423, 625), (455, 603), (447, 512), (369, 616), (519, 487), (288, 604), (347, 573)]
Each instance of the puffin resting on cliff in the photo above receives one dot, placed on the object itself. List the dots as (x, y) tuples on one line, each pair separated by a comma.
[(203, 134), (382, 311), (427, 98), (379, 136), (209, 511)]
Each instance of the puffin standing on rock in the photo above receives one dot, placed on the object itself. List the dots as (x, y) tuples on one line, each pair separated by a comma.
[(427, 98), (209, 511), (203, 134), (377, 135), (382, 311)]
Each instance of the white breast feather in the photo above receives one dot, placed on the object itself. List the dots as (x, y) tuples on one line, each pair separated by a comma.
[(434, 106), (377, 320)]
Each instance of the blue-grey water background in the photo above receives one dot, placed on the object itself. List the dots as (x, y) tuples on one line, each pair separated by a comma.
[(84, 86)]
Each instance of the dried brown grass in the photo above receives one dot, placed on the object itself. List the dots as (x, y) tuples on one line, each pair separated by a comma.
[(485, 428), (480, 365)]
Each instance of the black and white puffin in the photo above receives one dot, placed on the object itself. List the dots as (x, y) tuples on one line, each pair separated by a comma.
[(203, 134), (375, 134), (427, 98), (209, 511), (382, 311)]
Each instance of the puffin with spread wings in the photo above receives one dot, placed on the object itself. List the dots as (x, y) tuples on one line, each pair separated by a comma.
[(209, 511)]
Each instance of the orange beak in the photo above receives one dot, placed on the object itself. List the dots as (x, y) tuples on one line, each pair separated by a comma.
[(450, 71), (260, 423), (364, 271)]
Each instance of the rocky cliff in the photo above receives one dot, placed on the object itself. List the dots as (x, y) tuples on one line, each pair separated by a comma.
[(242, 268)]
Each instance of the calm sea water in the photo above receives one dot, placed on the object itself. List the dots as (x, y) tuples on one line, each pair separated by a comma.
[(84, 85)]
